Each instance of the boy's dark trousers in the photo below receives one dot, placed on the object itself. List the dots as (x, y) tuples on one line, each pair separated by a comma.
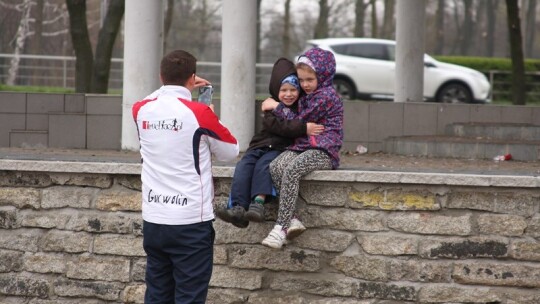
[(179, 262), (252, 176)]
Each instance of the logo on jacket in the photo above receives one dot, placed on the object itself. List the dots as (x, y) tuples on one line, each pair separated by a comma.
[(170, 124)]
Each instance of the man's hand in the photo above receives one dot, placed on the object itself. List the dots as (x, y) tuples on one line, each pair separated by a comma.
[(314, 129), (199, 82), (269, 104)]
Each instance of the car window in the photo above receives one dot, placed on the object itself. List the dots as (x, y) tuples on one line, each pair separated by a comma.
[(365, 50)]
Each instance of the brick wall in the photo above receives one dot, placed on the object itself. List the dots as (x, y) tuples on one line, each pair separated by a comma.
[(373, 237)]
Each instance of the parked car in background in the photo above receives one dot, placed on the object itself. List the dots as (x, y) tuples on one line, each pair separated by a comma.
[(365, 69)]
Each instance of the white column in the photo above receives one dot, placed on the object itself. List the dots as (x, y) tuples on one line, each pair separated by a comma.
[(238, 68), (410, 50), (143, 49)]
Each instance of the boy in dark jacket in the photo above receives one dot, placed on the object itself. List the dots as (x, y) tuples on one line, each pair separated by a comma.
[(252, 182)]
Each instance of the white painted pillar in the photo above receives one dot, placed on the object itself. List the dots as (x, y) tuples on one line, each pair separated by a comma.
[(410, 50), (238, 68), (143, 49)]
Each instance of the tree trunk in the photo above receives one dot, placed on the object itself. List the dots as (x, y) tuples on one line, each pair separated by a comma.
[(388, 26), (530, 30), (286, 29), (81, 45), (360, 11), (36, 41), (467, 28), (167, 23), (321, 29), (491, 11), (439, 27), (22, 33), (374, 23), (105, 44), (516, 52)]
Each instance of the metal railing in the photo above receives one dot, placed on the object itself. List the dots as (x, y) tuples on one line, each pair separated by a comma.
[(59, 71)]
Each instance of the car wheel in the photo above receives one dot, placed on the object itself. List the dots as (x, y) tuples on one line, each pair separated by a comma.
[(344, 88), (454, 93)]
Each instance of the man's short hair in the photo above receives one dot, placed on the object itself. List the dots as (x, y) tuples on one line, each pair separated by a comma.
[(177, 67)]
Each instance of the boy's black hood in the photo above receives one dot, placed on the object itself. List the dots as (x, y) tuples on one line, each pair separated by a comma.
[(282, 68)]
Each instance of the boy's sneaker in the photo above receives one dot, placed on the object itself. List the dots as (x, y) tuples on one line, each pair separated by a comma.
[(276, 238), (295, 229), (234, 215), (255, 212)]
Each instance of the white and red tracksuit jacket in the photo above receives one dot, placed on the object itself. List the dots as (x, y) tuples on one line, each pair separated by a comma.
[(177, 138)]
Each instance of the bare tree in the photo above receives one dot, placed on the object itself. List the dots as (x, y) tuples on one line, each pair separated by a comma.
[(388, 25), (374, 22), (321, 29), (516, 52), (491, 12), (167, 22), (22, 33), (530, 28), (467, 28), (360, 15), (439, 27), (286, 29), (107, 36)]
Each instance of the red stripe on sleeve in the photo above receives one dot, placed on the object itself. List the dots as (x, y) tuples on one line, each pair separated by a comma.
[(138, 105), (207, 119)]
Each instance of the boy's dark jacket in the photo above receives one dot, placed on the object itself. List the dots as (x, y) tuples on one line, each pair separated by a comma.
[(277, 133)]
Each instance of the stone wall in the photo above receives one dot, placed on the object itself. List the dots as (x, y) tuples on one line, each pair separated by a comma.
[(71, 233)]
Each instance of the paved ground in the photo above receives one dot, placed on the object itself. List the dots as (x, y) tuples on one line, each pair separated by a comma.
[(369, 161)]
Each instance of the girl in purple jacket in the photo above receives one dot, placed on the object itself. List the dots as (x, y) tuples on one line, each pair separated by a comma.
[(321, 105)]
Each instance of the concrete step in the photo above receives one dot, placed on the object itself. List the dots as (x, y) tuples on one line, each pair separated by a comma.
[(462, 147), (502, 131)]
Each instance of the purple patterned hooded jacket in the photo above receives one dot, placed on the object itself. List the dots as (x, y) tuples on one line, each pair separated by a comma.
[(323, 106)]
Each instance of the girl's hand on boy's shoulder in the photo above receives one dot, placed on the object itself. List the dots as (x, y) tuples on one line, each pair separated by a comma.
[(314, 129), (269, 104)]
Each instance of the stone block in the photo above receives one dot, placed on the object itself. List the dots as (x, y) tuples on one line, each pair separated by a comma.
[(457, 248), (442, 293), (429, 223), (28, 139), (22, 285), (526, 250), (138, 270), (103, 104), (45, 263), (119, 199), (109, 291), (24, 240), (385, 120), (394, 200), (356, 121), (230, 296), (36, 122), (325, 240), (344, 219), (498, 274), (324, 194), (116, 244), (220, 255), (508, 203), (362, 267), (259, 257), (8, 217), (43, 103), (65, 196), (533, 228), (74, 103), (101, 181), (66, 241), (386, 291), (91, 221), (329, 286), (20, 197), (12, 102), (501, 224), (11, 260), (417, 270), (229, 234), (481, 113), (9, 122), (389, 244), (223, 276), (450, 113), (67, 131), (97, 126), (420, 119), (134, 294), (99, 269), (45, 219)]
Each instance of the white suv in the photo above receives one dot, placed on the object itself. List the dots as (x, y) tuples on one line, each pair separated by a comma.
[(365, 69)]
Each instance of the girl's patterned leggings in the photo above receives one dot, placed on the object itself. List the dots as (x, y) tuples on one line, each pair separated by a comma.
[(287, 170)]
